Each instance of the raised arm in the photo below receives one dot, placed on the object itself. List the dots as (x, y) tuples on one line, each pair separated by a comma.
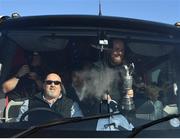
[(10, 84)]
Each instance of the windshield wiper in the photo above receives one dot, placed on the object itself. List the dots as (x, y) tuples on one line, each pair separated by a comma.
[(36, 128), (137, 130)]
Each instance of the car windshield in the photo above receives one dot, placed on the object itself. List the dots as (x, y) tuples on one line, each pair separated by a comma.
[(94, 72)]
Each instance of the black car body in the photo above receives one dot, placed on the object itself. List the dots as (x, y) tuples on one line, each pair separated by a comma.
[(153, 48)]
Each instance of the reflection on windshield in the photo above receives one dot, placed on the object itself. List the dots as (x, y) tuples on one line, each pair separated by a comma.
[(80, 80)]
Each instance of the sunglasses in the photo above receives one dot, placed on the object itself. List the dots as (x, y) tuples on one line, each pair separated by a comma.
[(49, 82)]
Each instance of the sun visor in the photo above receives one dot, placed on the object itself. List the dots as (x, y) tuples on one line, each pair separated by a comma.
[(53, 42), (147, 49), (38, 41)]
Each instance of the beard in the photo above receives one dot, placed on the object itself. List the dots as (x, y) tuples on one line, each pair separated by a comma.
[(50, 94), (117, 60)]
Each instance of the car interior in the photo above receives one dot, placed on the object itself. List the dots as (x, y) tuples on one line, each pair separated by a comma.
[(154, 60)]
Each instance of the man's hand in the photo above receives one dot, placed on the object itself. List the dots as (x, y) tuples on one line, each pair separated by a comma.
[(130, 93), (23, 71), (107, 97)]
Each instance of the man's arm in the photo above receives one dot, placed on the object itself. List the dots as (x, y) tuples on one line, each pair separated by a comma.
[(10, 84), (22, 110), (76, 111)]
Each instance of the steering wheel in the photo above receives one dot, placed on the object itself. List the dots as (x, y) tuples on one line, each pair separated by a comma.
[(45, 114)]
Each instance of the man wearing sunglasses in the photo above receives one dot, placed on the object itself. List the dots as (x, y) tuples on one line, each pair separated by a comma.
[(52, 98)]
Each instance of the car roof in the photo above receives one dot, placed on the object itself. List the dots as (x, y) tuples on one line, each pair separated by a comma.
[(29, 22), (33, 29)]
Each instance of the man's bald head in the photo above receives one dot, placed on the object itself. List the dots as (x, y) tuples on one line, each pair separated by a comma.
[(52, 85), (53, 76)]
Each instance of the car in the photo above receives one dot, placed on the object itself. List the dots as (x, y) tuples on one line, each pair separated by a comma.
[(66, 41)]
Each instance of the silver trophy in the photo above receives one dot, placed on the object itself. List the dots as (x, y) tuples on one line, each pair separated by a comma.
[(127, 98)]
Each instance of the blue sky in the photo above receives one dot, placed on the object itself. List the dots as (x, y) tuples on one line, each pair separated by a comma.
[(166, 11)]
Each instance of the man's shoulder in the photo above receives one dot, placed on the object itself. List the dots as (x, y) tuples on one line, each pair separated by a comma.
[(65, 102), (68, 99)]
